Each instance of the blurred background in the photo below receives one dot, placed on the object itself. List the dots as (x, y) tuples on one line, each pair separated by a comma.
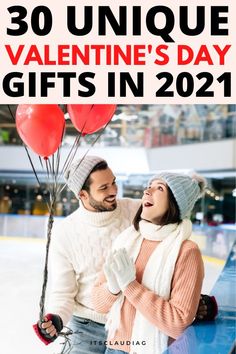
[(139, 141)]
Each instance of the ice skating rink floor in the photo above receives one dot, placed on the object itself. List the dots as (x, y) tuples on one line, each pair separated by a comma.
[(21, 272)]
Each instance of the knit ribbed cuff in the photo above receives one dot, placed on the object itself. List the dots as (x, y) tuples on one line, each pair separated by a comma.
[(110, 297), (132, 288)]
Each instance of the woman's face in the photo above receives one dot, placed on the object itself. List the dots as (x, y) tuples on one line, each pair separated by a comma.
[(155, 201)]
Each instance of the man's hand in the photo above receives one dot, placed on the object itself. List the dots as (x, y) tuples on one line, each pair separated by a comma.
[(48, 330), (207, 309)]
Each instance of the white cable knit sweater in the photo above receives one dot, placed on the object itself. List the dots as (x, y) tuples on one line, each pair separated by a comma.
[(78, 250)]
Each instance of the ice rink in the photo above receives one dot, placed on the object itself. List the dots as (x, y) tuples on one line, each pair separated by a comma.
[(21, 271)]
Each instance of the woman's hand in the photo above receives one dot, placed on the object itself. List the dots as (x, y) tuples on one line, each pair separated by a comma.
[(112, 283), (123, 268)]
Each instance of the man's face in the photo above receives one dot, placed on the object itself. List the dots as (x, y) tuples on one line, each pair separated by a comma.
[(102, 192)]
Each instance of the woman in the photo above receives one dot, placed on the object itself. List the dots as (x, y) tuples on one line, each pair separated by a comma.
[(152, 281)]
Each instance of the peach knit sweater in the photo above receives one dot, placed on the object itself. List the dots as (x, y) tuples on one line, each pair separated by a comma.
[(170, 316)]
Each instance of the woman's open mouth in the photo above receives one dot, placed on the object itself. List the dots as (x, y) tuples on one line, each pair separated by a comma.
[(147, 204)]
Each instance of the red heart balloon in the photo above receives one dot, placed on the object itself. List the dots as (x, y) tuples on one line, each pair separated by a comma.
[(40, 127), (89, 118)]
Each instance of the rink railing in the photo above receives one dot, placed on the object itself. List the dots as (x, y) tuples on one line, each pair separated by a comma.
[(24, 225), (213, 241)]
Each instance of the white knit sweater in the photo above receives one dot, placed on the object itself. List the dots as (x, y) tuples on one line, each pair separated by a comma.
[(79, 246)]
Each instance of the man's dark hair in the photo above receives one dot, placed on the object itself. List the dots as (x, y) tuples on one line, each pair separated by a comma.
[(171, 216), (98, 167)]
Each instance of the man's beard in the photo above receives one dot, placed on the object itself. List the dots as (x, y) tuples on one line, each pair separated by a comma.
[(101, 206)]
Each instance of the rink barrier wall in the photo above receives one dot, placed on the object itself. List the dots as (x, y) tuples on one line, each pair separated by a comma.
[(217, 336), (214, 242)]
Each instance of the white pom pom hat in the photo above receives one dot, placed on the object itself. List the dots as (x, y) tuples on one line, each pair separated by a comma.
[(79, 171)]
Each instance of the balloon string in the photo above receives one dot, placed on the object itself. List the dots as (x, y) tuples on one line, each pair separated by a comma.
[(41, 163), (51, 174), (93, 143), (36, 176), (58, 158), (53, 167), (12, 116), (49, 229), (45, 272), (69, 157), (26, 149), (51, 180), (48, 179), (75, 148), (53, 195), (30, 160), (67, 165), (67, 345)]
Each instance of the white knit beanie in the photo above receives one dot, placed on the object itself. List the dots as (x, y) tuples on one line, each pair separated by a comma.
[(79, 171), (187, 189)]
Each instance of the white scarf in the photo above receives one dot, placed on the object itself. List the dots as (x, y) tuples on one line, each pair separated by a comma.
[(157, 277)]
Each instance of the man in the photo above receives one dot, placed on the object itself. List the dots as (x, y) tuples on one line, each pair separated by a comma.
[(80, 244)]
